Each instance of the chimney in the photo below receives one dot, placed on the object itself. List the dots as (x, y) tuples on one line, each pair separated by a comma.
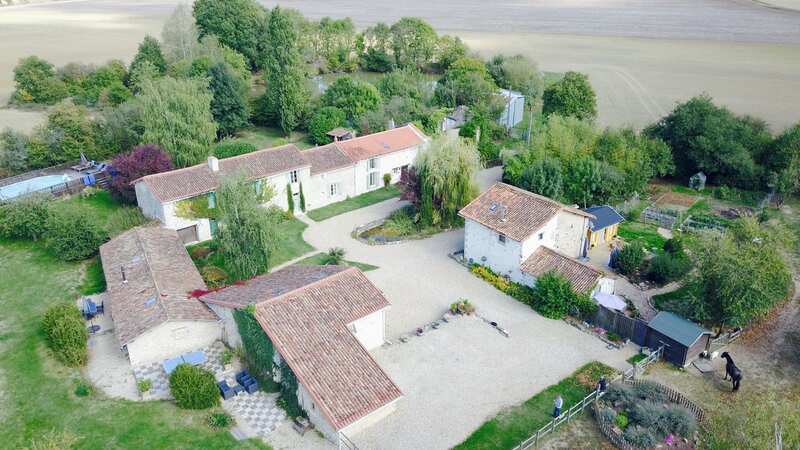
[(390, 125), (213, 164)]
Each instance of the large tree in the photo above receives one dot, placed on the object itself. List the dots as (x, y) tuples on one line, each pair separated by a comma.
[(413, 42), (63, 137), (287, 92), (741, 275), (13, 152), (466, 82), (706, 137), (333, 43), (446, 180), (149, 51), (238, 24), (326, 119), (247, 233), (354, 97), (571, 96), (229, 101), (129, 167), (176, 115), (180, 36), (36, 82)]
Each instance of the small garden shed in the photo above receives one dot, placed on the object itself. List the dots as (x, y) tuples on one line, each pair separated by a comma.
[(698, 181), (605, 226), (683, 340)]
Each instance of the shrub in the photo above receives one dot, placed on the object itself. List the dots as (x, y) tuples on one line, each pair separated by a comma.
[(200, 252), (613, 337), (219, 420), (647, 390), (71, 236), (608, 415), (621, 421), (227, 356), (387, 180), (630, 259), (645, 414), (553, 295), (193, 387), (83, 389), (214, 276), (125, 218), (668, 267), (674, 245), (677, 420), (335, 256), (640, 437), (400, 223), (230, 148), (621, 393), (66, 333), (144, 385), (585, 305), (25, 218)]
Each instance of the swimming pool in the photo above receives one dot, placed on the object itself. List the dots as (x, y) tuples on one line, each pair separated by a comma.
[(32, 185)]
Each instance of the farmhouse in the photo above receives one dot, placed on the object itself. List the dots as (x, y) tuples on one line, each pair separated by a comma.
[(523, 235), (322, 320), (324, 175), (149, 277)]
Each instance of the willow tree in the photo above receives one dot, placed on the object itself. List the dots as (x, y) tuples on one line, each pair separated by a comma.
[(248, 232), (446, 180)]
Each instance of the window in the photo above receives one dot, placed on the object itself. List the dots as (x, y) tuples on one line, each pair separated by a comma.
[(541, 236), (293, 176), (396, 170), (501, 238), (212, 200), (372, 179), (258, 187), (372, 163), (335, 189)]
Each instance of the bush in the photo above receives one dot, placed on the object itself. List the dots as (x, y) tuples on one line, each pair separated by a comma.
[(621, 393), (387, 180), (621, 421), (230, 148), (200, 252), (144, 385), (674, 245), (640, 437), (400, 223), (648, 390), (71, 236), (613, 337), (668, 267), (553, 295), (219, 420), (66, 334), (214, 276), (83, 389), (677, 420), (608, 415), (193, 387), (645, 414), (630, 259), (25, 218)]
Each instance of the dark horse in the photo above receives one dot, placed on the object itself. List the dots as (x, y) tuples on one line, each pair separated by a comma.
[(732, 371)]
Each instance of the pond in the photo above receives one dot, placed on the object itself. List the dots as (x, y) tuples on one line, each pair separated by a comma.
[(34, 184)]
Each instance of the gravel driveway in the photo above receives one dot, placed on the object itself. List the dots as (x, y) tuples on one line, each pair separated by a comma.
[(464, 372)]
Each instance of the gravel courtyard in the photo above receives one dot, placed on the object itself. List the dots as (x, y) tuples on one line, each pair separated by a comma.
[(466, 370)]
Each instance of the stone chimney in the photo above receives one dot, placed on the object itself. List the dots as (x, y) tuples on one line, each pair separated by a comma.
[(213, 164), (390, 125)]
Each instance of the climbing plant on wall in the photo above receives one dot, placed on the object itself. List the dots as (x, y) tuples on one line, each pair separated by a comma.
[(258, 349)]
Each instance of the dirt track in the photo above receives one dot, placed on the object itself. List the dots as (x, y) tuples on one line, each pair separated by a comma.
[(642, 55)]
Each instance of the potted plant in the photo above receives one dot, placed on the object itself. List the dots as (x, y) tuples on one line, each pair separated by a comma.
[(227, 358), (144, 387)]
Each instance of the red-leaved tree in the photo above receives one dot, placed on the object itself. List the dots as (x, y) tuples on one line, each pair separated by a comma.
[(143, 160), (409, 184)]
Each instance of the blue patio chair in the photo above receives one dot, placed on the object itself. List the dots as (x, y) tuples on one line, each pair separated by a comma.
[(241, 375), (252, 387), (225, 390)]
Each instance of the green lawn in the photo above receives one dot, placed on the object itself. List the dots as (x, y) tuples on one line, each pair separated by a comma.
[(353, 203), (636, 358), (36, 392), (290, 245), (266, 137), (513, 425), (645, 233), (94, 281), (321, 258), (675, 301)]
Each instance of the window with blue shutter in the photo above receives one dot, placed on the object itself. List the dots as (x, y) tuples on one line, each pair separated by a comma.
[(212, 200)]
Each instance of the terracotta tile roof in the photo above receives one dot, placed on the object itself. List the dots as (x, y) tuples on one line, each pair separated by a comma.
[(582, 277), (309, 328), (269, 286), (385, 142), (195, 180), (159, 276), (514, 212), (326, 158)]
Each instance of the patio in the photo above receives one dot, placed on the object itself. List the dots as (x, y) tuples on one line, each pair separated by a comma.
[(160, 380)]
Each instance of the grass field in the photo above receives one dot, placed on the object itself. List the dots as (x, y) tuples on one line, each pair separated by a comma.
[(36, 392), (320, 259), (266, 137), (515, 424), (645, 233), (353, 203)]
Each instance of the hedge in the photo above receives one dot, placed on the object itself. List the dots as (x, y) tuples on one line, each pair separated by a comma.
[(193, 387), (72, 236), (66, 334), (25, 218)]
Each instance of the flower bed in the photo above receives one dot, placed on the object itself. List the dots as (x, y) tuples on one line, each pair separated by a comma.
[(643, 414)]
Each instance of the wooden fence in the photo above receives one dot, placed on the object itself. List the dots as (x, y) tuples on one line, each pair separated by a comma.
[(619, 323), (73, 186), (664, 218), (590, 399)]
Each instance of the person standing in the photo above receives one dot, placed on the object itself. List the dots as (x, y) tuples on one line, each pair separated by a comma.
[(557, 404), (602, 384)]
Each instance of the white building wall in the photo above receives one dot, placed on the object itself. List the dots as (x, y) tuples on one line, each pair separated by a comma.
[(315, 415), (570, 234), (370, 330), (545, 236), (318, 192), (172, 221), (370, 419), (230, 331), (150, 206), (482, 246), (172, 339)]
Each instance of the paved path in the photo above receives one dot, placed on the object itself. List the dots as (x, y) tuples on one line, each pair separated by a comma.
[(465, 371)]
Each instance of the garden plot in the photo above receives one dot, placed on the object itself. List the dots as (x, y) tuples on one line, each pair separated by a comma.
[(675, 201)]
